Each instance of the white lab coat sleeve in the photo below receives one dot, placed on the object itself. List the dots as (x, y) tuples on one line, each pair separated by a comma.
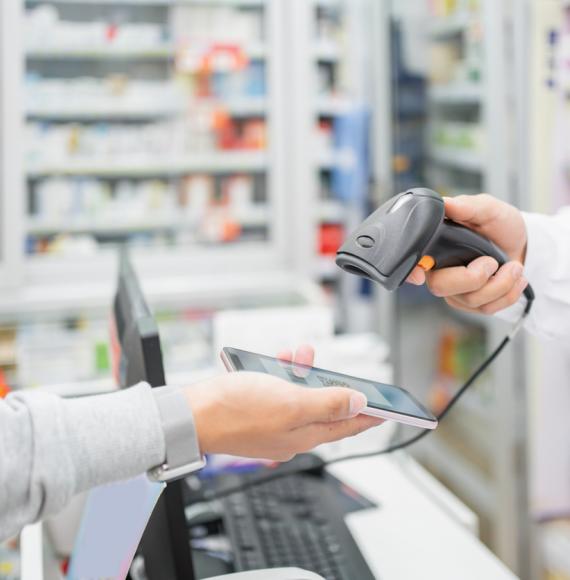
[(547, 268)]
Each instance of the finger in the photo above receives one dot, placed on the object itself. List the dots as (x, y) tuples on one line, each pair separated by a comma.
[(303, 361), (305, 355), (476, 210), (492, 307), (461, 279), (455, 303), (417, 276), (497, 287), (285, 355), (511, 298), (329, 405), (317, 434)]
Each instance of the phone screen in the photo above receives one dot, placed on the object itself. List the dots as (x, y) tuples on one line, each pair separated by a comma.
[(379, 395)]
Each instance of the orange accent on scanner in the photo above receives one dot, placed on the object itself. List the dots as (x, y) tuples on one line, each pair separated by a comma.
[(426, 263)]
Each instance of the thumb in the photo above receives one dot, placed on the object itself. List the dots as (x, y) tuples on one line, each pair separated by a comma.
[(475, 210), (332, 404)]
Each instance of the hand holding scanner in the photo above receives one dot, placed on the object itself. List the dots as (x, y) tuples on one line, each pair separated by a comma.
[(411, 230)]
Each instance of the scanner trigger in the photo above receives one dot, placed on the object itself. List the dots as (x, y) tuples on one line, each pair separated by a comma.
[(427, 263)]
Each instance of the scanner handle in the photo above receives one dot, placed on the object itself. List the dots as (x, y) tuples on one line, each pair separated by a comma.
[(456, 245)]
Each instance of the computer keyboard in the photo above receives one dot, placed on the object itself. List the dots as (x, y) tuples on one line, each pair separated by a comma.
[(296, 521)]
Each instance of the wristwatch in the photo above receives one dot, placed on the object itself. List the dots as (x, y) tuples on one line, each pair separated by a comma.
[(182, 450)]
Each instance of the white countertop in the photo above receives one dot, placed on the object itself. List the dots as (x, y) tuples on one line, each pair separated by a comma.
[(420, 530)]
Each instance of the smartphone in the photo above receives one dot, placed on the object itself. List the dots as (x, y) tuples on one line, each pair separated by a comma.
[(384, 401)]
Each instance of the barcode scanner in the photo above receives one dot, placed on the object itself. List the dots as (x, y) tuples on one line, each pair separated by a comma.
[(411, 230)]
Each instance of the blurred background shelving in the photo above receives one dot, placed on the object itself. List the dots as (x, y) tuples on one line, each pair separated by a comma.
[(145, 108), (165, 125)]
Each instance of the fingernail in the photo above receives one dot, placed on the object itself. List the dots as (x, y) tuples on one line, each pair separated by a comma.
[(516, 271), (357, 403)]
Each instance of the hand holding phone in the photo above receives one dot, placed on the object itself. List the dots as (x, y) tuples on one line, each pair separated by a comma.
[(384, 401)]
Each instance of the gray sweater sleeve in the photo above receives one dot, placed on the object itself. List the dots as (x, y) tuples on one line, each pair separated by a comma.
[(53, 448)]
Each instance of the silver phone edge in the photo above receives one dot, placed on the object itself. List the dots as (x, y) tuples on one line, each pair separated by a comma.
[(226, 361), (405, 419)]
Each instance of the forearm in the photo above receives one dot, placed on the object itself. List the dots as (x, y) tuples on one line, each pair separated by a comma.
[(547, 268), (53, 448)]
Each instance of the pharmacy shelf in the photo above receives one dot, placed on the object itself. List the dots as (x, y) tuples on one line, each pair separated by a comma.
[(460, 94), (166, 52), (254, 51), (335, 159), (449, 26), (223, 162), (167, 3), (328, 3), (457, 158), (102, 113), (332, 211), (109, 111), (253, 217), (327, 268), (326, 51), (331, 106)]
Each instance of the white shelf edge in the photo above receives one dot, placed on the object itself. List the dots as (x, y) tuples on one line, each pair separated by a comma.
[(214, 163), (111, 53), (445, 26), (331, 106), (456, 93), (331, 211), (327, 268), (166, 3), (45, 227), (254, 51), (326, 51), (460, 159), (242, 107)]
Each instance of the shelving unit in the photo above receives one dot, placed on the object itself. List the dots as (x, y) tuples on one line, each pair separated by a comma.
[(93, 88), (84, 116), (480, 452), (217, 93)]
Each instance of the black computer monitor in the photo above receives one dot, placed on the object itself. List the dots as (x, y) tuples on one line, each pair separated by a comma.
[(137, 355)]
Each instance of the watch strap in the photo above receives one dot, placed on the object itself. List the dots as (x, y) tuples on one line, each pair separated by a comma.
[(181, 440)]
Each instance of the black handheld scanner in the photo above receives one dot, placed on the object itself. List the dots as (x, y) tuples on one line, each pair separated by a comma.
[(411, 230)]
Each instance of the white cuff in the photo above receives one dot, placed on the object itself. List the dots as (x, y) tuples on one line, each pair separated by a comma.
[(536, 267)]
